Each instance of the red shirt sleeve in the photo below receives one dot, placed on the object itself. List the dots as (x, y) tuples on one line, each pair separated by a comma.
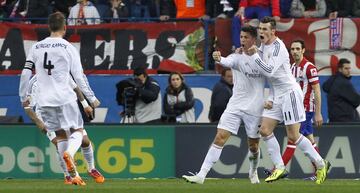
[(243, 3), (312, 74), (275, 8)]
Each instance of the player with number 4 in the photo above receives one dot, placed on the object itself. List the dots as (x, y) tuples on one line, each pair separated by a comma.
[(55, 60)]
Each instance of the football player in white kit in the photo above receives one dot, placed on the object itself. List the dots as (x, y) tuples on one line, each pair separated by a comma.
[(86, 146), (245, 105), (285, 102), (54, 59)]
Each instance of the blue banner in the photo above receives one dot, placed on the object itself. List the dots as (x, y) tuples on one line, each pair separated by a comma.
[(105, 90)]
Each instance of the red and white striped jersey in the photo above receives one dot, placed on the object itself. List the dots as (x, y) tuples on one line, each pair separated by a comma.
[(306, 75)]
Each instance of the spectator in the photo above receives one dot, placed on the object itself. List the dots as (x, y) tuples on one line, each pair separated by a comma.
[(61, 6), (104, 9), (179, 100), (119, 9), (356, 8), (338, 8), (285, 6), (143, 8), (83, 13), (221, 94), (2, 9), (148, 102), (182, 9), (342, 98), (308, 8), (222, 8), (253, 9), (33, 9)]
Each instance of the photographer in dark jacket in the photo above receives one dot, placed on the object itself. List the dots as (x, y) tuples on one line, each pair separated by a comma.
[(342, 98), (148, 102), (221, 94)]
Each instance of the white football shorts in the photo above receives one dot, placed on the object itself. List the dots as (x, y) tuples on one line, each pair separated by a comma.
[(231, 122), (288, 108)]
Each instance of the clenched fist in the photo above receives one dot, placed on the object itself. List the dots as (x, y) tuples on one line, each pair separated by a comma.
[(216, 56)]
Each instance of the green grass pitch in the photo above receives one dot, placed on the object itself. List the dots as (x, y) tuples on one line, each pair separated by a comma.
[(179, 186)]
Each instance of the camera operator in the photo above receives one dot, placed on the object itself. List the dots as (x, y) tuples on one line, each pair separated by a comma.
[(148, 100)]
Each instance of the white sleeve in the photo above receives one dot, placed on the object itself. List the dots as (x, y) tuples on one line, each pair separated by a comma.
[(78, 75), (229, 62), (268, 69), (71, 18), (72, 83), (26, 75), (271, 93)]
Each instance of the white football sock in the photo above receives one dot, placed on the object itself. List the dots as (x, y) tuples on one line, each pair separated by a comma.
[(254, 160), (274, 151), (75, 141), (305, 145), (88, 153), (211, 158)]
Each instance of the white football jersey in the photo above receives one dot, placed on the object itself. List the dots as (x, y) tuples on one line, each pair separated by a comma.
[(54, 59), (32, 89), (274, 63), (248, 90)]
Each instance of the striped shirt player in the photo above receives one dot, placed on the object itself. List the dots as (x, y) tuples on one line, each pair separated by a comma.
[(306, 76)]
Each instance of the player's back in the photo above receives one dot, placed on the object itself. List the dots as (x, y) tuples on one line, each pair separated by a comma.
[(53, 61)]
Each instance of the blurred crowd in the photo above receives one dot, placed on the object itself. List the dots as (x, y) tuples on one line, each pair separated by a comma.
[(103, 11)]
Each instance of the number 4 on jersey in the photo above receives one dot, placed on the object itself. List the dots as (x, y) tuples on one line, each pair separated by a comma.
[(47, 66)]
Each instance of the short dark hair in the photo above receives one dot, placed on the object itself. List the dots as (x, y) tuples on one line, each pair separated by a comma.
[(139, 71), (270, 20), (302, 42), (342, 61), (251, 30), (224, 70), (56, 21)]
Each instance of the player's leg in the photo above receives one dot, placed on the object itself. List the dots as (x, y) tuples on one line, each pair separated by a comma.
[(252, 125), (269, 121), (53, 139), (70, 117), (88, 153), (229, 123), (294, 111), (67, 178)]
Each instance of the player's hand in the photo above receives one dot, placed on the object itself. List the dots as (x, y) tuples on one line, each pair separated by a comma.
[(95, 104), (252, 50), (318, 120), (164, 17), (42, 127), (216, 56), (239, 50), (268, 105), (89, 112), (26, 103), (240, 12)]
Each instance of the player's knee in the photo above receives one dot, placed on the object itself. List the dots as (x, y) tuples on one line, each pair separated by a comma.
[(265, 131), (85, 142), (60, 134), (220, 139), (253, 148)]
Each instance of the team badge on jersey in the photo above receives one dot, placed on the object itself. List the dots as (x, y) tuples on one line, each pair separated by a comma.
[(313, 72)]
